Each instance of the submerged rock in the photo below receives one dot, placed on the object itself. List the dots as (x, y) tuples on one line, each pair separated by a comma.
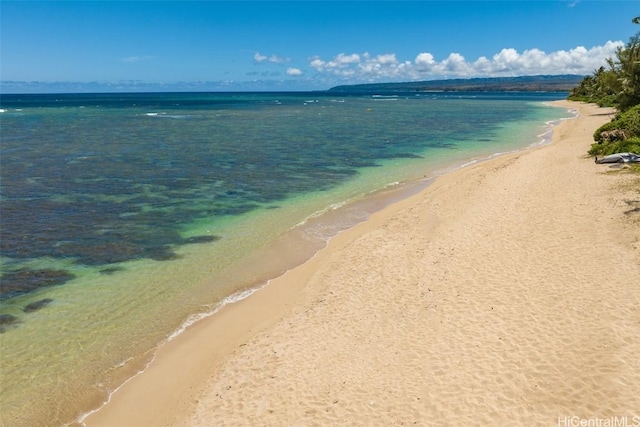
[(162, 254), (111, 270), (201, 239), (404, 156), (23, 281), (37, 305), (7, 321)]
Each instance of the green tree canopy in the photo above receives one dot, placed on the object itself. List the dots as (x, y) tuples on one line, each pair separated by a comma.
[(618, 85)]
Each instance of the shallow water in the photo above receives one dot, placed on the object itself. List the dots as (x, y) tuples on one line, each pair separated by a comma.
[(129, 214)]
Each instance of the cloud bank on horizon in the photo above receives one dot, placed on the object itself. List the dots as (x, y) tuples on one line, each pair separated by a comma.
[(506, 63)]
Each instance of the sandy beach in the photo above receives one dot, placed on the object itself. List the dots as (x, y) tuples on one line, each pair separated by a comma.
[(505, 293)]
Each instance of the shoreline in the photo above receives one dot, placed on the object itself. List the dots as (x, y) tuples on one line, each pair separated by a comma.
[(367, 205), (205, 353)]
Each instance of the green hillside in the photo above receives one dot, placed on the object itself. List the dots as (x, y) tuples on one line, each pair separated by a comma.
[(561, 83)]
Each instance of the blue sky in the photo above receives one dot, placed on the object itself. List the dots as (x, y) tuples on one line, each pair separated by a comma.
[(299, 45)]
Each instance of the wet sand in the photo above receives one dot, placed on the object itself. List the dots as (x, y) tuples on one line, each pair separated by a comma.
[(506, 293)]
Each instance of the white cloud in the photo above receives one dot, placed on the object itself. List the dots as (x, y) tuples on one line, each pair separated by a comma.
[(347, 59), (361, 65), (317, 63), (258, 57), (425, 61), (389, 58), (507, 62), (137, 58), (456, 64), (294, 72)]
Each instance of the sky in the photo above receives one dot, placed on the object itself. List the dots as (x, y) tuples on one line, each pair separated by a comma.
[(67, 46)]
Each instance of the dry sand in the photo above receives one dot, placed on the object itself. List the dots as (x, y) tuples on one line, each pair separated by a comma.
[(506, 293)]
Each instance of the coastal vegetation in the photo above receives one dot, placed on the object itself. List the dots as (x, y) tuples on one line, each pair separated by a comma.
[(618, 86), (622, 134)]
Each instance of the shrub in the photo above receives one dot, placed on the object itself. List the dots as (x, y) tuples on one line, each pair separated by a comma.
[(627, 124), (630, 145)]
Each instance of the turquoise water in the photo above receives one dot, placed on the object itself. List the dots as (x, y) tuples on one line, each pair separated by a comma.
[(123, 216)]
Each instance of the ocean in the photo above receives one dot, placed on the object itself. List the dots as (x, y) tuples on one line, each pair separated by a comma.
[(124, 218)]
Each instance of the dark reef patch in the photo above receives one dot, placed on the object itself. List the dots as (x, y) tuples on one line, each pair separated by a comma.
[(8, 321), (201, 239), (37, 305), (24, 280), (111, 270)]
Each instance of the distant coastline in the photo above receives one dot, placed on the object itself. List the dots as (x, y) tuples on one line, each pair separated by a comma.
[(542, 83)]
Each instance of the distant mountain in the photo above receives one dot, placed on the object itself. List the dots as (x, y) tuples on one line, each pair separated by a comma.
[(561, 83)]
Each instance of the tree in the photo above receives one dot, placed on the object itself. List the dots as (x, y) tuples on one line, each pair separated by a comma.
[(629, 73), (601, 88), (619, 84)]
